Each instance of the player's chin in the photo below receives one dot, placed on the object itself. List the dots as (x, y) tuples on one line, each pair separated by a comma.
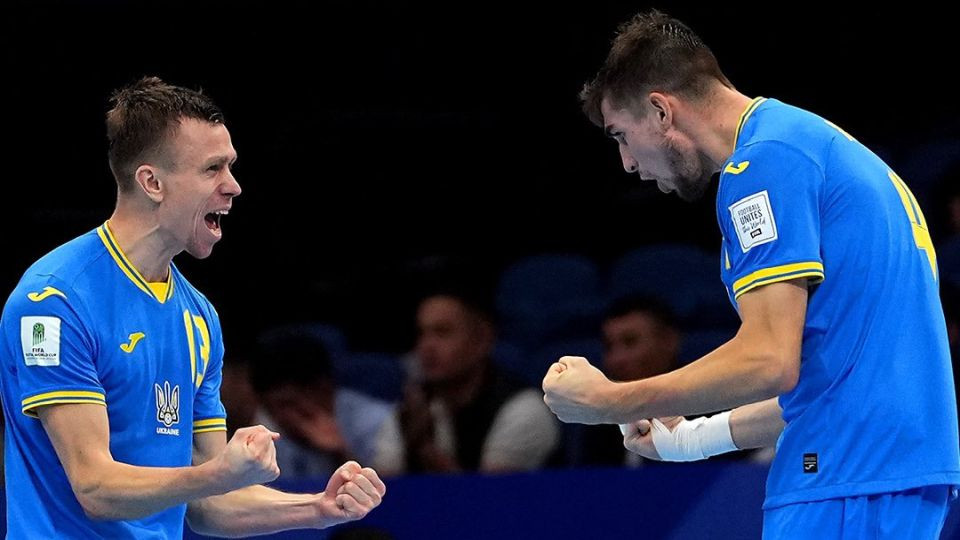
[(200, 250)]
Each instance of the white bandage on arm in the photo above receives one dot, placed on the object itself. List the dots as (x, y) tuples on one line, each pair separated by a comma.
[(694, 439)]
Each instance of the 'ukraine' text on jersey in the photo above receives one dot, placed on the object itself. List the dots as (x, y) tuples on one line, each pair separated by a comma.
[(83, 326)]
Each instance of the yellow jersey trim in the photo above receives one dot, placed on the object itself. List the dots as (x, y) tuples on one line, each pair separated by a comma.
[(210, 429), (774, 274), (113, 248), (61, 396), (159, 289), (745, 115), (210, 422), (209, 425)]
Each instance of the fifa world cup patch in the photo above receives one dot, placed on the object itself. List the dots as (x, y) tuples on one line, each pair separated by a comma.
[(753, 220), (40, 338)]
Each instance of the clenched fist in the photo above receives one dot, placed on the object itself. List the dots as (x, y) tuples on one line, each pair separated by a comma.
[(576, 391), (250, 457), (352, 492)]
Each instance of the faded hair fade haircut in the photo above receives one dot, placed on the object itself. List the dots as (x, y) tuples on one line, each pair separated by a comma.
[(143, 116), (651, 52)]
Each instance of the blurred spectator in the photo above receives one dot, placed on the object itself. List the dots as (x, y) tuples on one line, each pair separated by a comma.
[(236, 392), (460, 413), (321, 424), (640, 340)]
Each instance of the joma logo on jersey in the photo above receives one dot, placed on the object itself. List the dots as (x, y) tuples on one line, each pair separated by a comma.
[(168, 408), (132, 343), (47, 292)]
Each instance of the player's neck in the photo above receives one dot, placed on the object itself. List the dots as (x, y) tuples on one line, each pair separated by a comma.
[(715, 129), (142, 241)]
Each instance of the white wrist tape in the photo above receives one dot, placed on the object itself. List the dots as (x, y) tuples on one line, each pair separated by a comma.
[(694, 439)]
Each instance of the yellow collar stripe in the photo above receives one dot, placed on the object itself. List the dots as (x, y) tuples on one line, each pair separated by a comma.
[(106, 236), (133, 276), (160, 290), (745, 115)]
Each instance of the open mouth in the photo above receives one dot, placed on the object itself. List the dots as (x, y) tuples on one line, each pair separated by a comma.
[(213, 220)]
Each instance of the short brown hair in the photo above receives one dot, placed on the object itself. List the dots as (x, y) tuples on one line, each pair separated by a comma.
[(652, 51), (143, 115)]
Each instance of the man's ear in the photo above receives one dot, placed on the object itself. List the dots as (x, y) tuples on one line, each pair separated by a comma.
[(147, 178), (662, 108)]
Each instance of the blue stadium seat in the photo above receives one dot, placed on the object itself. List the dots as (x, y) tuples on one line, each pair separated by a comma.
[(330, 336), (928, 162), (684, 277), (379, 375), (697, 343), (546, 296)]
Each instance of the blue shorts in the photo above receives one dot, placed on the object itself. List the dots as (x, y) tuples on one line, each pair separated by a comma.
[(917, 514)]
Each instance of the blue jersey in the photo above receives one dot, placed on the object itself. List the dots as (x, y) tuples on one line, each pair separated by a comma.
[(874, 410), (83, 326)]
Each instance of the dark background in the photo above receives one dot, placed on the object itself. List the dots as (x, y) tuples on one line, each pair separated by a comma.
[(379, 139)]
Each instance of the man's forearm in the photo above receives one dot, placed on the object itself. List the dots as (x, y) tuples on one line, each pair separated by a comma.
[(120, 491), (756, 425), (732, 375), (254, 510)]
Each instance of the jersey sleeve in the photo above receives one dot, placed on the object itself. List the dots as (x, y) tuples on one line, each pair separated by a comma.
[(52, 350), (768, 207), (208, 411)]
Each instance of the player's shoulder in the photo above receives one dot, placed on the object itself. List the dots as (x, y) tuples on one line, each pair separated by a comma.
[(781, 131), (777, 146), (768, 164), (55, 275), (777, 120)]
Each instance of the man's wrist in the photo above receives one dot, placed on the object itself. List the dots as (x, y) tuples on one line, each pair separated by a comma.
[(692, 440), (621, 402), (218, 474), (320, 506), (716, 437)]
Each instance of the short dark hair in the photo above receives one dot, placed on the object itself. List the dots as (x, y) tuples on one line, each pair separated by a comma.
[(289, 355), (474, 300), (653, 307), (652, 51), (143, 115)]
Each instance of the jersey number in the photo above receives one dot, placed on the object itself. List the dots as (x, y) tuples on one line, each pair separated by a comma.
[(189, 320), (920, 233)]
